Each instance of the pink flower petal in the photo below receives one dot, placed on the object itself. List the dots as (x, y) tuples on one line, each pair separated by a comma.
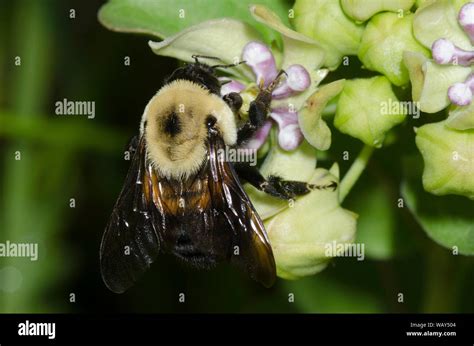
[(461, 94), (260, 58), (290, 137), (232, 86), (260, 136), (297, 80), (445, 52), (466, 19), (283, 116), (289, 133)]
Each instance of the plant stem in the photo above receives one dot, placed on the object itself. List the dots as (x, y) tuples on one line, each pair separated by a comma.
[(355, 171)]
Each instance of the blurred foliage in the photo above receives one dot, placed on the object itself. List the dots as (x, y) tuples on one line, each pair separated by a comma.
[(439, 216), (67, 157)]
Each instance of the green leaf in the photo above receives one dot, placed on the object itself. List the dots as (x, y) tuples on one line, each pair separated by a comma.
[(448, 220), (167, 17)]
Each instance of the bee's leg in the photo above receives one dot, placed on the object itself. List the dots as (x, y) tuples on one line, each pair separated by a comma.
[(258, 111), (293, 188), (234, 101), (276, 186)]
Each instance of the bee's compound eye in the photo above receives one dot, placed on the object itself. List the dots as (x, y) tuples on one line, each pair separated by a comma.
[(210, 121)]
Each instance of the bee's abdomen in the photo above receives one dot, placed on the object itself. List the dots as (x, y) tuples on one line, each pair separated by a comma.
[(182, 198), (197, 240)]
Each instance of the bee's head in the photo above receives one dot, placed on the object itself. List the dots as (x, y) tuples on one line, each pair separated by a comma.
[(198, 73), (201, 74), (176, 124)]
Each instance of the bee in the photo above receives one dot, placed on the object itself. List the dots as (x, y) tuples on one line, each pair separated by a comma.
[(180, 196)]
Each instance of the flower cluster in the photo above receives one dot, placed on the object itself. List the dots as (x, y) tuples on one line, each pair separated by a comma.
[(445, 82), (446, 52)]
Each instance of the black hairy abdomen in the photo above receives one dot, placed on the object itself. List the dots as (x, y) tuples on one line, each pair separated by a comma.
[(198, 239)]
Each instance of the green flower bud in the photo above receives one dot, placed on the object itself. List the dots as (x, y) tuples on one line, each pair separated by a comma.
[(361, 10), (439, 20), (325, 21), (367, 109), (430, 81), (385, 39), (461, 118), (301, 233), (449, 159), (312, 125)]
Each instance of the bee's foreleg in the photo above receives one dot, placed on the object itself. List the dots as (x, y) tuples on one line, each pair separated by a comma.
[(258, 111)]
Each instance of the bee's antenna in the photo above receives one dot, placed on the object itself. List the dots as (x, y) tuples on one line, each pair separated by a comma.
[(229, 65), (197, 56)]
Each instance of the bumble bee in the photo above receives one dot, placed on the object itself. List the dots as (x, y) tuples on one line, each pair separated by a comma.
[(180, 196)]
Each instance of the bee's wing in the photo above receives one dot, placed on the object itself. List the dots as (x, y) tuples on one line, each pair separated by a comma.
[(131, 239), (229, 198)]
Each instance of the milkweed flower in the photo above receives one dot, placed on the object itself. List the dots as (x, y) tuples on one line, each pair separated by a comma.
[(446, 52), (444, 27), (297, 79), (446, 80)]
